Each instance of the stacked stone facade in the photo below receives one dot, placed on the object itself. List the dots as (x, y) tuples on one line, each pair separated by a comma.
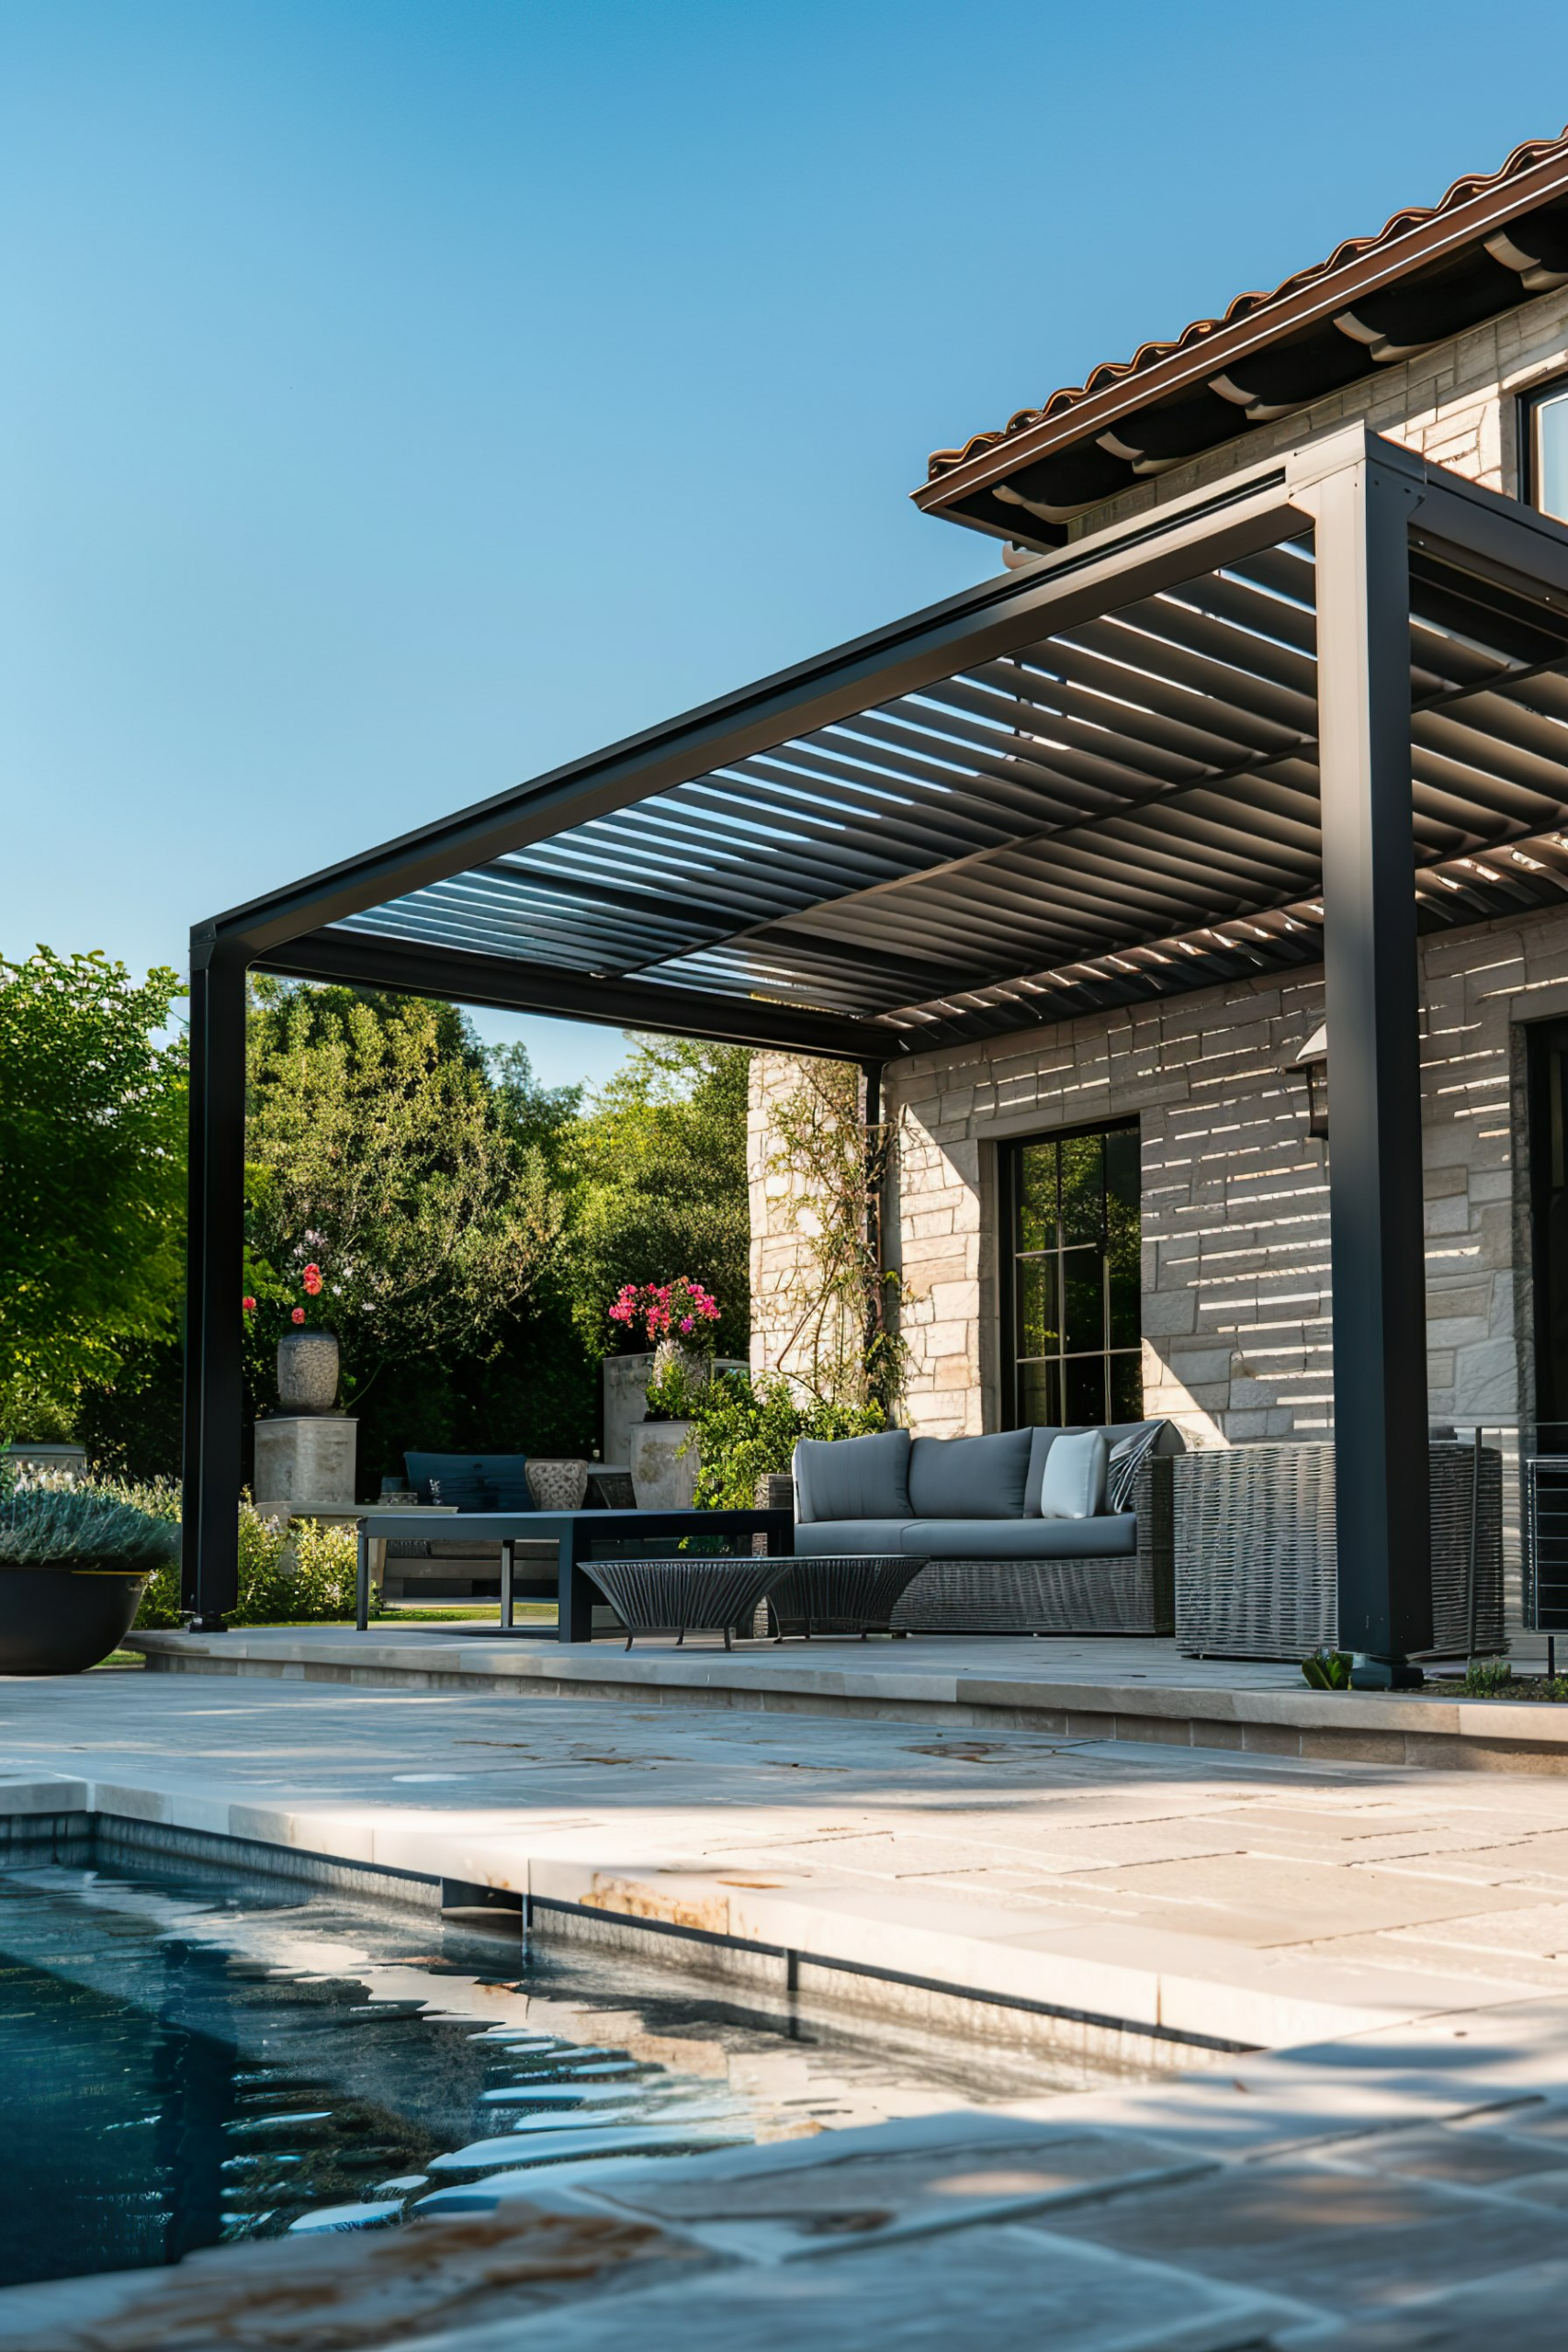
[(1236, 1289), (1237, 1298)]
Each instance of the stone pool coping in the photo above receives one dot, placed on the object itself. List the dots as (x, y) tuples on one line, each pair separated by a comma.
[(1146, 1996)]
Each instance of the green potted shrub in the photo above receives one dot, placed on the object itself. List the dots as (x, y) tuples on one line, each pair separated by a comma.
[(74, 1563)]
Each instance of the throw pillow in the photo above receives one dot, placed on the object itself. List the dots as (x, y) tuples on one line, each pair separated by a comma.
[(1073, 1486), (1126, 1460), (1040, 1441)]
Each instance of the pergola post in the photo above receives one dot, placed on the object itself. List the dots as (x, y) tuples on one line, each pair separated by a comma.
[(1380, 1320), (209, 1567)]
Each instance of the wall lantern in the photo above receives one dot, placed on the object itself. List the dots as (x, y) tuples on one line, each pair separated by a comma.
[(1313, 1064)]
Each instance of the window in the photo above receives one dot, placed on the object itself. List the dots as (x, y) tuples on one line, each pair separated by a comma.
[(1544, 450), (1071, 1326)]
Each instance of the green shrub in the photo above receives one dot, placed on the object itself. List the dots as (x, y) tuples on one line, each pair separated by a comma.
[(746, 1429), (304, 1575), (54, 1524), (1327, 1669), (1487, 1677)]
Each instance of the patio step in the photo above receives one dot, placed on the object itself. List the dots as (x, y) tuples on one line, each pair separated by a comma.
[(1088, 1690)]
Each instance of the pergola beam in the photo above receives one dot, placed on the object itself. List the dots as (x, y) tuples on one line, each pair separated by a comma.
[(506, 983)]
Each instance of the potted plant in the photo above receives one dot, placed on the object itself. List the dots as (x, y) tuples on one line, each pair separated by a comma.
[(308, 1358), (677, 1318), (74, 1563)]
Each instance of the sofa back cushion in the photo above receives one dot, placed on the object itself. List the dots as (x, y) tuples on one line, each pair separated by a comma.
[(969, 1477), (467, 1478), (853, 1478), (1072, 1484)]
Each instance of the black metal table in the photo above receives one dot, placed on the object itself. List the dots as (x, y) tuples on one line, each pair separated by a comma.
[(574, 1532)]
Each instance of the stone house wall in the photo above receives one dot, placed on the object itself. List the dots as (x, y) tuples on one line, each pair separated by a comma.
[(1236, 1295)]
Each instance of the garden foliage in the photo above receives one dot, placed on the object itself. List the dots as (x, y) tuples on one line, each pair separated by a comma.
[(52, 1524), (92, 1210), (746, 1427)]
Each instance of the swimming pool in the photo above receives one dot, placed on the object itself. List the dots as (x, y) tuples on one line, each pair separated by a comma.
[(190, 2055)]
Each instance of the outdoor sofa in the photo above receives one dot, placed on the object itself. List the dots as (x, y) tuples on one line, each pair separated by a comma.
[(998, 1562)]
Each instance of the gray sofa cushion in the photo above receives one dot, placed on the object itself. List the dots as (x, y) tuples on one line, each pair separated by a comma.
[(819, 1539), (853, 1477), (969, 1477), (1109, 1537)]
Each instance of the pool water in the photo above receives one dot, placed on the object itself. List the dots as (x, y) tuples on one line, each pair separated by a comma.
[(189, 2054)]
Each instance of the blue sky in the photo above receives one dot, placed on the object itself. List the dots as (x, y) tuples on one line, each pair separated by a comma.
[(401, 398)]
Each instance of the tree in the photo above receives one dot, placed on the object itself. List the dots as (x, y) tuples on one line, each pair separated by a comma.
[(378, 1149), (659, 1166), (92, 1207)]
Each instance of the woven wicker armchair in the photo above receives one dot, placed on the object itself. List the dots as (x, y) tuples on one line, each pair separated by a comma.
[(1132, 1595), (1255, 1551)]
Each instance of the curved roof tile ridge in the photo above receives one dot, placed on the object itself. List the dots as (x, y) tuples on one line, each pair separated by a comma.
[(1112, 371)]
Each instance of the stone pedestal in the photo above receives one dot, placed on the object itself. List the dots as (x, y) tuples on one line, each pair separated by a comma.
[(304, 1458)]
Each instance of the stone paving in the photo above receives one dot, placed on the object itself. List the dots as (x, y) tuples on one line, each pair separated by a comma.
[(1395, 2180)]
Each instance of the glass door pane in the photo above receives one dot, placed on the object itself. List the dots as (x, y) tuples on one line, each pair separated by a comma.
[(1549, 467), (1076, 1250)]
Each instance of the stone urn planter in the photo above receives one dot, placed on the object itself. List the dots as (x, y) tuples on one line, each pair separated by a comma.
[(558, 1486), (663, 1478), (308, 1372), (673, 1355)]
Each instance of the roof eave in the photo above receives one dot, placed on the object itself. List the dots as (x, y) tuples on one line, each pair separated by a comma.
[(1444, 233)]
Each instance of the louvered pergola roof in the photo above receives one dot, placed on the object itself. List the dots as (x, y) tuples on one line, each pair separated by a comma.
[(1091, 782)]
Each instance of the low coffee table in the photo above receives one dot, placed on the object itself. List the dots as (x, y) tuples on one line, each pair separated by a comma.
[(574, 1532), (695, 1595), (844, 1592)]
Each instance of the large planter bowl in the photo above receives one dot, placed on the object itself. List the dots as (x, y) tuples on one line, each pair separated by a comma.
[(307, 1371), (61, 1620)]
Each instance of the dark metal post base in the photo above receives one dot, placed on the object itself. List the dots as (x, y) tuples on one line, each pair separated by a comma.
[(206, 1622), (1368, 1673)]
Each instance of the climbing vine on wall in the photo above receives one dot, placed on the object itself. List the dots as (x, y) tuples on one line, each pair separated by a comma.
[(843, 1342)]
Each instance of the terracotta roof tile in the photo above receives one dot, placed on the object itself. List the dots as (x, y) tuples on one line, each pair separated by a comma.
[(1148, 354)]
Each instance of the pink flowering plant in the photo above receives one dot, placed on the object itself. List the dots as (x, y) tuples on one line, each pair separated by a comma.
[(681, 1310)]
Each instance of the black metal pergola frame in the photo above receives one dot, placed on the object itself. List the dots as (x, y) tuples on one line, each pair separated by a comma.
[(1226, 737)]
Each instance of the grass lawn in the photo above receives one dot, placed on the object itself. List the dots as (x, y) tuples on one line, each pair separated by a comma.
[(470, 1613)]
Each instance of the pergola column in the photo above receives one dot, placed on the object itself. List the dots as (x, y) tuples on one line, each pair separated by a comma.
[(214, 1393), (1375, 1192)]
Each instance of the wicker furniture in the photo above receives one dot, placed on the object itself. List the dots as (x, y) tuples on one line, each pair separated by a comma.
[(1255, 1551), (1091, 1595), (685, 1596), (854, 1594)]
